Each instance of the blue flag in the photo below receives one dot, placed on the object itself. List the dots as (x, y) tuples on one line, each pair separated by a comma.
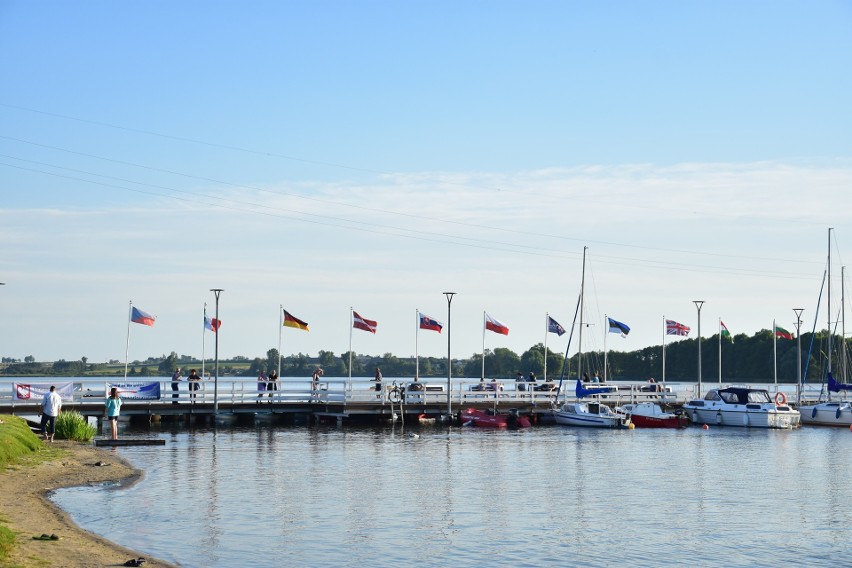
[(554, 327), (618, 327)]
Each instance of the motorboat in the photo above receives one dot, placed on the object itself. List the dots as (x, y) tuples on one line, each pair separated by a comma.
[(651, 415), (590, 415), (487, 419), (740, 406)]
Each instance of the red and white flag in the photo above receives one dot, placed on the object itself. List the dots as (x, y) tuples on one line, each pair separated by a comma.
[(362, 323), (495, 325)]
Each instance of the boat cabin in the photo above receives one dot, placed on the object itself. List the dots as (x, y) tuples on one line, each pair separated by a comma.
[(738, 395)]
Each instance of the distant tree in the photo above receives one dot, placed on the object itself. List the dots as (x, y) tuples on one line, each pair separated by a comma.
[(326, 358), (271, 360), (168, 365), (29, 359)]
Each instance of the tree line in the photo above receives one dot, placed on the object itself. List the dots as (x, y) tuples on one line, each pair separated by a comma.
[(744, 359)]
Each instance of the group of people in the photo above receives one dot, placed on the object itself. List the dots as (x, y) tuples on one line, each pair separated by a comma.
[(267, 383), (51, 406), (193, 380)]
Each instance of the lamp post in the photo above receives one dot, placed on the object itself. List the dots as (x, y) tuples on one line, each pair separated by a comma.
[(449, 296), (698, 304), (216, 292), (798, 312)]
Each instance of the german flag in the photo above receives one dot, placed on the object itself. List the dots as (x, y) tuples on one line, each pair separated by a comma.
[(293, 321)]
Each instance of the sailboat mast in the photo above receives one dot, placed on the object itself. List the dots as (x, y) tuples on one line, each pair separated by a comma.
[(828, 303), (843, 324), (580, 336)]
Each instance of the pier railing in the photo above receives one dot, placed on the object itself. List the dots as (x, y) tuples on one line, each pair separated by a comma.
[(158, 392)]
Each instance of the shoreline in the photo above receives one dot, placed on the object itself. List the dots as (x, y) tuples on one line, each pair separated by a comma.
[(26, 509)]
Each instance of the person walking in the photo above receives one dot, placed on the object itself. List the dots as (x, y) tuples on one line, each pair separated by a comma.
[(51, 406), (175, 388), (113, 408)]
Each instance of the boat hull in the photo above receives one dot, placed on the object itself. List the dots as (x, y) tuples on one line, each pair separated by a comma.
[(479, 418), (745, 418), (650, 415), (589, 416), (827, 414)]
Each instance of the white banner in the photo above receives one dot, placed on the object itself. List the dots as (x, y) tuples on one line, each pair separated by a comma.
[(34, 392)]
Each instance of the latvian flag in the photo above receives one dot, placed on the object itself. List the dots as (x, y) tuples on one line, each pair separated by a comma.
[(495, 325), (362, 323)]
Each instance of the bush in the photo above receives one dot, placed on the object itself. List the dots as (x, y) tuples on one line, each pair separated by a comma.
[(71, 425)]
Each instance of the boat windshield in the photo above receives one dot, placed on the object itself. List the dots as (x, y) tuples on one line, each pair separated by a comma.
[(759, 396), (712, 395)]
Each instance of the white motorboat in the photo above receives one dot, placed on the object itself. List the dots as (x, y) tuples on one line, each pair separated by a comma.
[(739, 406), (589, 414), (651, 415)]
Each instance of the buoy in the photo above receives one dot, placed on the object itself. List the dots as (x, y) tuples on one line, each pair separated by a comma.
[(631, 426), (706, 426), (850, 427)]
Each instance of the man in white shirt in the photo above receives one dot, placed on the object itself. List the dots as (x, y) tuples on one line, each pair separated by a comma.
[(50, 408)]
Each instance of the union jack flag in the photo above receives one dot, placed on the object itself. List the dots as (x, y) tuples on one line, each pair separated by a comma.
[(674, 328)]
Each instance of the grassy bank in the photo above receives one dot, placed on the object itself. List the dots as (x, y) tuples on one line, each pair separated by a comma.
[(18, 446)]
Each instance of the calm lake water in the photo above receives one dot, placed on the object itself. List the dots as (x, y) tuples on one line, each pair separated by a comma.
[(325, 496)]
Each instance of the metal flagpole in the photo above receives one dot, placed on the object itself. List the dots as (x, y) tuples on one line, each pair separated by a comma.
[(351, 323), (546, 331), (720, 350), (483, 345), (775, 354), (203, 334), (127, 344), (280, 328), (216, 291), (664, 353), (416, 346), (606, 333)]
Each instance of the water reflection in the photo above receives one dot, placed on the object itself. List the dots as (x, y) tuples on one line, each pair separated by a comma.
[(271, 496)]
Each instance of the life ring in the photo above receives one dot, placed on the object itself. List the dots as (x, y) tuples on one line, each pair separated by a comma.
[(780, 399)]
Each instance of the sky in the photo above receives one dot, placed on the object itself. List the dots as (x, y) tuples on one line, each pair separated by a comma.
[(326, 156)]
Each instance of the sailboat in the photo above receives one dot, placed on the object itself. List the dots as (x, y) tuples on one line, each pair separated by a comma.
[(830, 413), (587, 414)]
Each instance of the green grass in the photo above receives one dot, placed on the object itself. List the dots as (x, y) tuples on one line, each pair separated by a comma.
[(71, 425), (18, 445), (16, 440)]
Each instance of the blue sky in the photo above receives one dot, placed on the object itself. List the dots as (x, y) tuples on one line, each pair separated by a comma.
[(328, 155)]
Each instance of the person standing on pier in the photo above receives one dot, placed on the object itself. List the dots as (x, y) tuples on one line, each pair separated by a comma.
[(261, 385), (113, 408), (51, 406), (318, 372), (272, 385), (175, 388), (193, 380)]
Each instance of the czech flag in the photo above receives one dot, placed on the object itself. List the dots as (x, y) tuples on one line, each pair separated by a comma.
[(138, 316), (362, 323), (428, 323), (495, 325), (293, 321)]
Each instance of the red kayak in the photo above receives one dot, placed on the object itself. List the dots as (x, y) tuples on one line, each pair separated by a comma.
[(485, 419)]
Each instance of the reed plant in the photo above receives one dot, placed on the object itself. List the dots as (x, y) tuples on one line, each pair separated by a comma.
[(71, 425)]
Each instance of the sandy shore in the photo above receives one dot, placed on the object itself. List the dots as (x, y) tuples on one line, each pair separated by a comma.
[(27, 511)]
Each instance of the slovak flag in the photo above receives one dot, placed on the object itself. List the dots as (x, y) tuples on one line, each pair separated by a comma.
[(212, 324), (495, 325), (675, 328), (138, 316), (428, 323), (362, 323)]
